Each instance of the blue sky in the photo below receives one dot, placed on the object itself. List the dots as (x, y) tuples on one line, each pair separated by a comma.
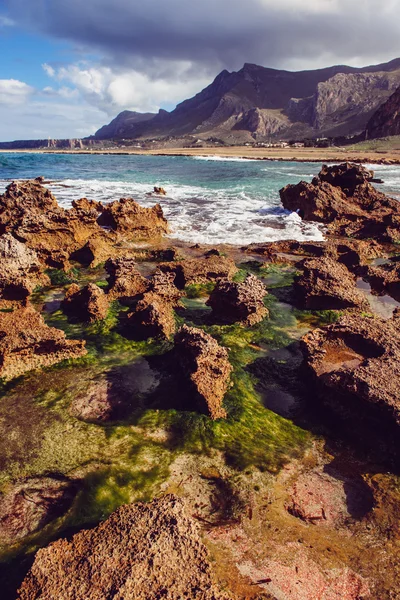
[(69, 66)]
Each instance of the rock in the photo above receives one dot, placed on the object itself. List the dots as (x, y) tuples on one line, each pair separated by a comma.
[(159, 190), (28, 506), (163, 284), (88, 304), (124, 281), (200, 270), (386, 121), (27, 343), (152, 316), (105, 400), (384, 278), (355, 365), (343, 198), (205, 366), (127, 216), (142, 551), (20, 269), (326, 284), (239, 302)]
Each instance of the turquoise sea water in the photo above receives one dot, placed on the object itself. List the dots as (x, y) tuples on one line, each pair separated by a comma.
[(210, 200)]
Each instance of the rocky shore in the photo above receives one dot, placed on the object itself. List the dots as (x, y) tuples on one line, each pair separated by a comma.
[(193, 422)]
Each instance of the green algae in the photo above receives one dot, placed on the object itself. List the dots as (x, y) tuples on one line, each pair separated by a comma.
[(59, 277), (199, 290)]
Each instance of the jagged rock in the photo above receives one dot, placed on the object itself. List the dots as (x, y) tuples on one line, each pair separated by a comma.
[(163, 284), (384, 278), (20, 269), (124, 281), (142, 551), (326, 284), (27, 343), (200, 270), (88, 304), (356, 210), (27, 506), (239, 302), (386, 121), (127, 216), (152, 316), (355, 364), (205, 365)]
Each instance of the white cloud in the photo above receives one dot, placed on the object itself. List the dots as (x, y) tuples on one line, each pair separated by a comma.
[(13, 91), (6, 22)]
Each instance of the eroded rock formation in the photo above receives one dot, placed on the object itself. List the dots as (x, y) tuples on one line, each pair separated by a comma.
[(343, 198), (124, 281), (88, 304), (127, 217), (200, 270), (239, 302), (205, 366), (142, 551), (27, 343)]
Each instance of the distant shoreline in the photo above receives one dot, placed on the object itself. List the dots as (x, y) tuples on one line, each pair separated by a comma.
[(317, 155)]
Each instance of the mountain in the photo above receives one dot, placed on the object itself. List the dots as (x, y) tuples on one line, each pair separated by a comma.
[(261, 103), (386, 120), (122, 124)]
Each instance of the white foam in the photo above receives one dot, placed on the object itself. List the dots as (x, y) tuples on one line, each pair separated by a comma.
[(225, 158)]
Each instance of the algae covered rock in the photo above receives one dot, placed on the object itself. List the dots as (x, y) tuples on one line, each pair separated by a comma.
[(142, 551), (200, 270), (27, 343), (239, 302), (29, 505), (88, 304), (205, 367)]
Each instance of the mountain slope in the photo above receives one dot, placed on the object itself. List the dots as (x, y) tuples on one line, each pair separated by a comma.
[(260, 103), (122, 124), (386, 121)]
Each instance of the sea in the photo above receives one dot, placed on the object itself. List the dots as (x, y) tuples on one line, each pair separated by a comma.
[(210, 200)]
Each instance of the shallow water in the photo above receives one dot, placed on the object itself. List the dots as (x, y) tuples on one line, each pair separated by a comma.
[(384, 306)]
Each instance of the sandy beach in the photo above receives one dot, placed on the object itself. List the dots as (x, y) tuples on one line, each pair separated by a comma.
[(317, 155)]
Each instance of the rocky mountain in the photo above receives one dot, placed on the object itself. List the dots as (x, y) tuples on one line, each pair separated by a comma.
[(386, 120), (261, 103)]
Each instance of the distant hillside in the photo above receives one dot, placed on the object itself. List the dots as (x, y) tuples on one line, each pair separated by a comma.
[(386, 121), (257, 103)]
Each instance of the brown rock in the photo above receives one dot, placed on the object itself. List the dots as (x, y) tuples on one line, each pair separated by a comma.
[(356, 366), (350, 205), (88, 304), (20, 269), (127, 216), (200, 270), (27, 343), (384, 278), (206, 367), (326, 284), (239, 302), (28, 506), (142, 551), (124, 281), (163, 284), (105, 400), (152, 316)]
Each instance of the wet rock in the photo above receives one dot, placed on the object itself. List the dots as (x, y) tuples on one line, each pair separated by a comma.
[(355, 365), (384, 278), (127, 216), (27, 343), (319, 498), (200, 270), (163, 284), (20, 269), (105, 400), (124, 281), (206, 367), (88, 304), (152, 316), (326, 284), (239, 302), (343, 198), (142, 551), (28, 506)]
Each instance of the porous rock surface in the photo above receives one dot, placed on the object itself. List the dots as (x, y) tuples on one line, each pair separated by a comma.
[(343, 197), (124, 281), (384, 278), (356, 366), (27, 343), (206, 368), (326, 284), (88, 304), (127, 216), (30, 504), (239, 302), (142, 551), (200, 270), (20, 269)]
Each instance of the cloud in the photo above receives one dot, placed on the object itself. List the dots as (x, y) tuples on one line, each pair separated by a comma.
[(14, 92), (6, 22)]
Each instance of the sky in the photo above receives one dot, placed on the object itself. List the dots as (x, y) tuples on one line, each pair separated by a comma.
[(67, 67)]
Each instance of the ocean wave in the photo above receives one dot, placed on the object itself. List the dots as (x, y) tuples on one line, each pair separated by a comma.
[(225, 158)]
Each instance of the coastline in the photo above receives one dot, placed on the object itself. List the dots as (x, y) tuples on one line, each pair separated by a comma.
[(316, 155)]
